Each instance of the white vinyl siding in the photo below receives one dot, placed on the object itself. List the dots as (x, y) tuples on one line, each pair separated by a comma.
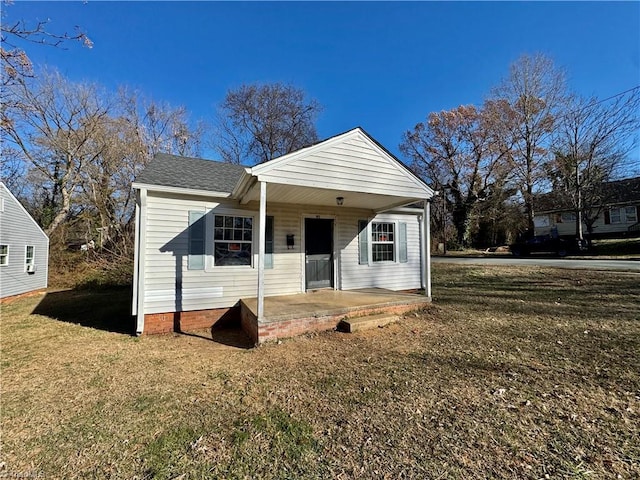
[(19, 230), (398, 275), (169, 285), (215, 286), (619, 222), (353, 164)]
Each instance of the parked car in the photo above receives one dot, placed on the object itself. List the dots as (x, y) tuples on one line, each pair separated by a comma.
[(540, 244)]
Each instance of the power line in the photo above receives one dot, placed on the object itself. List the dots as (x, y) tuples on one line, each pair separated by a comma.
[(614, 96), (597, 102)]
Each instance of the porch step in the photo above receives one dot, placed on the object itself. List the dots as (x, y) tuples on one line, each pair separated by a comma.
[(350, 325)]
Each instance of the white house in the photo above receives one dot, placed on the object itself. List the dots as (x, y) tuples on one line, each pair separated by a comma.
[(333, 215), (618, 212), (24, 249)]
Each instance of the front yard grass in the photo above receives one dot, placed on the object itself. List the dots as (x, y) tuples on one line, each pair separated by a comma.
[(512, 373)]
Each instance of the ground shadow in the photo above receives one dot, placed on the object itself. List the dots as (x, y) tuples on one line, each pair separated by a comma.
[(105, 309), (230, 336)]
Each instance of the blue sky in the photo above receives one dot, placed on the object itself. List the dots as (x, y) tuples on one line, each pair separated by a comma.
[(383, 66)]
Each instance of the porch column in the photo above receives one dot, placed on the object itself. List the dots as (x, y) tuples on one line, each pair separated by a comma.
[(261, 251), (426, 218)]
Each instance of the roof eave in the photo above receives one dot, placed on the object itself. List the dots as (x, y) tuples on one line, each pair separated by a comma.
[(180, 190)]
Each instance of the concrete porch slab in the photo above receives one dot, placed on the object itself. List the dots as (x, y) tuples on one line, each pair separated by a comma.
[(291, 315)]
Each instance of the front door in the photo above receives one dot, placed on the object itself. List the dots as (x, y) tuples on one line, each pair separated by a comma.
[(318, 241)]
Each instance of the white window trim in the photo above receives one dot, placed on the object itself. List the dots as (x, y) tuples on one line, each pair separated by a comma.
[(26, 258), (625, 213), (210, 261), (620, 216), (370, 242), (6, 256)]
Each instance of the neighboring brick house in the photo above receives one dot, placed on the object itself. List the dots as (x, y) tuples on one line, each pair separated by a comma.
[(618, 216)]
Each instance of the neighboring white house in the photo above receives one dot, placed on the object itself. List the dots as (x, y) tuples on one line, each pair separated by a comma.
[(24, 248), (618, 215), (331, 215)]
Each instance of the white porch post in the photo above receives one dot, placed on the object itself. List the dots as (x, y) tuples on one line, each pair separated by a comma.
[(141, 218), (426, 218), (261, 251)]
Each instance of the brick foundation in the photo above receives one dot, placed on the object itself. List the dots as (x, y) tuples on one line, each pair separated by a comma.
[(193, 320), (13, 298)]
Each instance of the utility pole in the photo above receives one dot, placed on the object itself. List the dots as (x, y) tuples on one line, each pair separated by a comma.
[(579, 212), (444, 220)]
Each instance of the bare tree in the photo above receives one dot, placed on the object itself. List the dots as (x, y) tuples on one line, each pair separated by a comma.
[(16, 65), (257, 123), (81, 148), (459, 152), (592, 141), (128, 139), (50, 125), (533, 95)]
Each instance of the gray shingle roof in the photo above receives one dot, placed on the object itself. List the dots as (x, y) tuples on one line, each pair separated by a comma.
[(194, 173), (617, 192)]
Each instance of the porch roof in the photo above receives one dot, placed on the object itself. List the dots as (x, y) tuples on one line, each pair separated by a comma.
[(351, 165)]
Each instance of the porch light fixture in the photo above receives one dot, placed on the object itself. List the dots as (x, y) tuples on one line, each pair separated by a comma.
[(339, 201)]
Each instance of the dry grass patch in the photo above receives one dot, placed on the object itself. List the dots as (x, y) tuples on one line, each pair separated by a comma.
[(512, 373)]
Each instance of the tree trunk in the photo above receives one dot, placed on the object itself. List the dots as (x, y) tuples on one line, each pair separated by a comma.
[(62, 213)]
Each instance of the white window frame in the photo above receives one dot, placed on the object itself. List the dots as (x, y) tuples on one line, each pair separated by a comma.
[(393, 243), (29, 260), (618, 215), (634, 215), (4, 257), (251, 242)]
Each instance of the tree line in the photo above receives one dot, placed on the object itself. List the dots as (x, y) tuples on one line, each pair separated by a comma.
[(71, 150), (532, 134)]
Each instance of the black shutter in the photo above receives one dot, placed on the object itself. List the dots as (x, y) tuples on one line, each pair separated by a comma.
[(363, 243)]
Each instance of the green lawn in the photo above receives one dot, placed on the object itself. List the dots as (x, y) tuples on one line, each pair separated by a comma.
[(512, 373)]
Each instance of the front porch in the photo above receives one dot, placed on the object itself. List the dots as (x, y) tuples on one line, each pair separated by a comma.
[(318, 310)]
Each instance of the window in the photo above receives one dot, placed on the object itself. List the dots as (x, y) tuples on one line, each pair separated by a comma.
[(567, 217), (29, 256), (615, 215), (232, 240), (382, 242), (631, 214), (4, 255)]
